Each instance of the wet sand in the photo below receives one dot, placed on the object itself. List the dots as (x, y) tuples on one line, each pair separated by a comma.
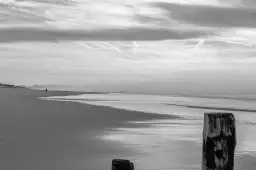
[(38, 135)]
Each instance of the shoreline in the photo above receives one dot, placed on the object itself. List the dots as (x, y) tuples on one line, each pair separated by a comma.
[(57, 135), (63, 135)]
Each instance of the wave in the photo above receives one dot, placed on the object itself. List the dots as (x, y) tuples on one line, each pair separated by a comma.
[(184, 107), (216, 108), (188, 102)]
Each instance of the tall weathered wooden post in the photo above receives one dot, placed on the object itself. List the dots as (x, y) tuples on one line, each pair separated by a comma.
[(219, 141)]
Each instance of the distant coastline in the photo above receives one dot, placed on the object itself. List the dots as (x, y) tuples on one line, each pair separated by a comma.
[(2, 85), (52, 87)]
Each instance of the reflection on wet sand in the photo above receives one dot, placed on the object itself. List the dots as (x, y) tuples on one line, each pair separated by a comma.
[(174, 143), (177, 143)]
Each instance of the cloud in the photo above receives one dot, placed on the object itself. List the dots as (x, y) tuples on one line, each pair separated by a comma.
[(241, 3), (79, 14), (55, 2), (20, 13), (250, 3), (26, 34), (107, 39), (212, 16), (14, 16), (32, 2)]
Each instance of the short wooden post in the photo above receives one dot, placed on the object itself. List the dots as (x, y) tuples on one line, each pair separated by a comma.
[(219, 141), (122, 164)]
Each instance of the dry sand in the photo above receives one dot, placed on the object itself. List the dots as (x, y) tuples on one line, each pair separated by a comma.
[(52, 135)]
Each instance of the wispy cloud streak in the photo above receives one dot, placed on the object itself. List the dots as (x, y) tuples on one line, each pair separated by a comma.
[(225, 17), (32, 34)]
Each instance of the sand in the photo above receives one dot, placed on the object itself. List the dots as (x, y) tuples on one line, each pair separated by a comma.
[(52, 135)]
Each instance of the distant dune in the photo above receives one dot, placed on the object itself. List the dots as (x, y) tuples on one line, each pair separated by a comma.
[(66, 88), (10, 86)]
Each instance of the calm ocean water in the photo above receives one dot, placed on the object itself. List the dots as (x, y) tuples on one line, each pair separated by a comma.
[(175, 143)]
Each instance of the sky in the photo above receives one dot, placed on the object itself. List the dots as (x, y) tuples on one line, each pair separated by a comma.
[(149, 46)]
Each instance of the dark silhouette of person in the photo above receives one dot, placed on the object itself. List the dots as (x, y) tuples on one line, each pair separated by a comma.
[(46, 90)]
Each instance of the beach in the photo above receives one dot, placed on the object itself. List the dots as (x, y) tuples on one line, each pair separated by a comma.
[(62, 135), (84, 82), (52, 135)]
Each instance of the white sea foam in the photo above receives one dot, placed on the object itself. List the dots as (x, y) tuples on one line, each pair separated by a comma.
[(139, 98), (180, 106), (160, 133)]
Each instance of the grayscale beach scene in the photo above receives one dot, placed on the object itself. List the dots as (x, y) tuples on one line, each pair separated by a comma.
[(84, 82)]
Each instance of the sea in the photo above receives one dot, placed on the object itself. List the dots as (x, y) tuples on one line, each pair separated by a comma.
[(174, 143)]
